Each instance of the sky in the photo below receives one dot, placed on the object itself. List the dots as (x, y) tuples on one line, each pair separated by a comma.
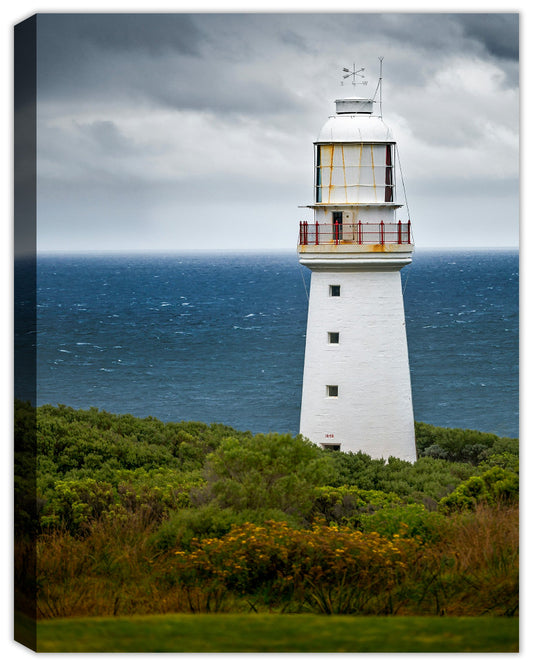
[(183, 131)]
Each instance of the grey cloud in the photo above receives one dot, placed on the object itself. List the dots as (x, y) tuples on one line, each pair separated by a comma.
[(221, 92), (87, 54), (226, 61), (298, 41), (106, 136), (429, 31), (152, 59), (443, 32), (153, 33), (498, 33), (434, 34)]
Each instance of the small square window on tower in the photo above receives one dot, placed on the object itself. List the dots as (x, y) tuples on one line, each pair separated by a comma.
[(332, 391), (334, 290), (333, 338)]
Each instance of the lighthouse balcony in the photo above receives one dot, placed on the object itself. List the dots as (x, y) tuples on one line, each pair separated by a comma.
[(360, 246), (362, 234)]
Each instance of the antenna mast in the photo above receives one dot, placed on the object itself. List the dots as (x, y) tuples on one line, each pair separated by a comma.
[(379, 87), (380, 84)]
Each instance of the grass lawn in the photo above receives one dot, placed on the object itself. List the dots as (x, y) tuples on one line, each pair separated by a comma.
[(278, 633)]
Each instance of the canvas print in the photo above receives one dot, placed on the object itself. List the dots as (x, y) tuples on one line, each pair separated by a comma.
[(266, 332)]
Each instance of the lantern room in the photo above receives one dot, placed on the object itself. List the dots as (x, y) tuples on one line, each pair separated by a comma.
[(355, 187), (354, 157)]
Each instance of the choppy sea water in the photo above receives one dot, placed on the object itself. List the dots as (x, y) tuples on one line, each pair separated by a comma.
[(221, 337)]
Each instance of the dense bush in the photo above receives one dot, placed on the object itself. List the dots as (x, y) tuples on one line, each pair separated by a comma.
[(114, 568), (345, 504), (87, 439), (411, 520), (159, 468), (118, 496), (495, 486), (146, 466), (340, 570), (326, 569), (457, 445), (426, 480), (209, 521), (266, 472), (75, 504)]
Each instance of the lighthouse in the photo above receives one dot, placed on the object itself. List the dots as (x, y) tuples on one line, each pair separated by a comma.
[(356, 393)]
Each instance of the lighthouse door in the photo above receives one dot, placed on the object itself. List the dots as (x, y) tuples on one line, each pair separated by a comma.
[(337, 225)]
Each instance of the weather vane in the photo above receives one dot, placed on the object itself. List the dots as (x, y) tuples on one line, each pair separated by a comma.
[(354, 73)]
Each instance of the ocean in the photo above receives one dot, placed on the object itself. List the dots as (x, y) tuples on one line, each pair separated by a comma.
[(220, 337)]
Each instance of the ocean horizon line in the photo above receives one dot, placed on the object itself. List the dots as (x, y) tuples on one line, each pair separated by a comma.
[(242, 251)]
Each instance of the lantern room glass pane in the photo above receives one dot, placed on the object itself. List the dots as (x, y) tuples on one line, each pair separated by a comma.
[(350, 173)]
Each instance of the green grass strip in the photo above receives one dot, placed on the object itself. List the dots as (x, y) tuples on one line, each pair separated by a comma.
[(278, 633)]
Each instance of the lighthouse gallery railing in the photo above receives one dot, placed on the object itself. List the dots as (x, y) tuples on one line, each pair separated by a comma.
[(371, 233)]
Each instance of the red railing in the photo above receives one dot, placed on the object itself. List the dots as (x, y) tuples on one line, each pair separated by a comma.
[(371, 233)]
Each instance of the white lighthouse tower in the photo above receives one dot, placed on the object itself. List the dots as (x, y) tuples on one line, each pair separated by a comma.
[(356, 386)]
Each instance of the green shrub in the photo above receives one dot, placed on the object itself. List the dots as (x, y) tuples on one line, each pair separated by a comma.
[(456, 445), (208, 521), (344, 505), (74, 504), (427, 480), (411, 520), (495, 486), (505, 460), (266, 472), (88, 439)]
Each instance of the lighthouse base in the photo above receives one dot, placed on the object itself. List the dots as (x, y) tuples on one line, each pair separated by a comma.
[(356, 392)]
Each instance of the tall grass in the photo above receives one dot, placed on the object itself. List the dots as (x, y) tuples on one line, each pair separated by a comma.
[(111, 571), (483, 561), (115, 569)]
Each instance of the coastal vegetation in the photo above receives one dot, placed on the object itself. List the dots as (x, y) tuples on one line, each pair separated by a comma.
[(136, 516)]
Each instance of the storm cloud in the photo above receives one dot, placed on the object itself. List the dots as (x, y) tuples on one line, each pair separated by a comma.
[(181, 131)]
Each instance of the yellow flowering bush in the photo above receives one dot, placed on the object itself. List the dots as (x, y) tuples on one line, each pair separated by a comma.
[(327, 568)]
